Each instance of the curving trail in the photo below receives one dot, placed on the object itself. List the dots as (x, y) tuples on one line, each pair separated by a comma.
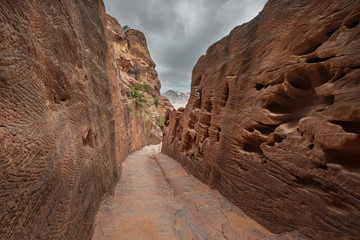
[(156, 199)]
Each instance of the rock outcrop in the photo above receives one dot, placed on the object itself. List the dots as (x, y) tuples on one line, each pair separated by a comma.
[(66, 122), (164, 105), (134, 66), (273, 119), (178, 99)]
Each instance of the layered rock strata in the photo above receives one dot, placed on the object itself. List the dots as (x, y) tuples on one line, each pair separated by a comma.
[(273, 119), (66, 123)]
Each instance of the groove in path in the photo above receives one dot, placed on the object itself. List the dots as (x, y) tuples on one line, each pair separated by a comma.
[(156, 199)]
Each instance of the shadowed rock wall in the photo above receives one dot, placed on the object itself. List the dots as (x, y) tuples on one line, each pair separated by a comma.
[(64, 118), (273, 119)]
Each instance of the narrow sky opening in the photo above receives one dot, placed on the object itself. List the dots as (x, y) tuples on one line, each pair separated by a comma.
[(179, 32)]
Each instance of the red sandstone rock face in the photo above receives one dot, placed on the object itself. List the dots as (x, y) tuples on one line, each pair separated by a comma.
[(65, 121), (164, 105), (273, 119), (57, 154), (134, 65)]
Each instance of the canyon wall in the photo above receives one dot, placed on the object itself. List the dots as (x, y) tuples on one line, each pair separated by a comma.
[(66, 121), (273, 119), (134, 66)]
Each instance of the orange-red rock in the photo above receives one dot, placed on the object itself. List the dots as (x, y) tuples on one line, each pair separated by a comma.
[(164, 105), (273, 119), (65, 119), (135, 66)]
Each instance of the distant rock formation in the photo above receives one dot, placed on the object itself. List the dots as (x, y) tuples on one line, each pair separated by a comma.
[(66, 121), (273, 119), (135, 66), (178, 99), (164, 105)]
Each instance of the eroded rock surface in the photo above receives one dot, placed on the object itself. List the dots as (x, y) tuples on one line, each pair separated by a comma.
[(273, 119), (163, 105), (66, 123), (134, 65)]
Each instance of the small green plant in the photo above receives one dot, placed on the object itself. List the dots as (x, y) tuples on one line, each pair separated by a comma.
[(156, 101), (136, 94), (126, 28), (162, 122)]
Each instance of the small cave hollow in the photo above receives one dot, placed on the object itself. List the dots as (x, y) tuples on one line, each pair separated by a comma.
[(300, 83), (352, 24), (349, 160), (89, 140), (208, 105), (188, 141), (276, 107), (349, 126), (225, 95), (252, 145), (266, 129), (278, 138), (259, 86), (198, 99), (316, 59), (308, 77), (339, 76), (255, 148), (323, 166)]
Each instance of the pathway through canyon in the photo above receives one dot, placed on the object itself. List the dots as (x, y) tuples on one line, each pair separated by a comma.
[(156, 199)]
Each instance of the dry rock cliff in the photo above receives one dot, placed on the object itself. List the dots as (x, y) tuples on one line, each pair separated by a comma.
[(66, 121), (273, 119), (134, 66)]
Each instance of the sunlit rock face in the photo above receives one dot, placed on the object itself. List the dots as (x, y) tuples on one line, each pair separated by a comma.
[(273, 119), (134, 65)]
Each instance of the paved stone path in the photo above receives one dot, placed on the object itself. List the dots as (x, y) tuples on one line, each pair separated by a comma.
[(156, 199)]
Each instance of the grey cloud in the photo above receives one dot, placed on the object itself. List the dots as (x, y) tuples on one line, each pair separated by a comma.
[(179, 32)]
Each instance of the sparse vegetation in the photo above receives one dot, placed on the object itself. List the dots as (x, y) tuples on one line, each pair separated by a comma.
[(162, 121), (156, 101), (136, 94), (126, 28)]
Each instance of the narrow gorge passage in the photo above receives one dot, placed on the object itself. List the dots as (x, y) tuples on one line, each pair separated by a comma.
[(156, 199)]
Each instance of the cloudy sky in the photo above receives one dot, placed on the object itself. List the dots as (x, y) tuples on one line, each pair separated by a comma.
[(178, 32)]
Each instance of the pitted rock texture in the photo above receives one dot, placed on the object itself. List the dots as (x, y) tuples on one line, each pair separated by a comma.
[(273, 119)]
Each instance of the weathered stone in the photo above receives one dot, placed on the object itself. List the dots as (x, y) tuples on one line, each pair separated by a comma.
[(65, 120), (164, 105), (273, 119), (135, 66)]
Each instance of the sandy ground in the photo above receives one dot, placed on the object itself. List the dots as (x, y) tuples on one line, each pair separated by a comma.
[(156, 199)]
